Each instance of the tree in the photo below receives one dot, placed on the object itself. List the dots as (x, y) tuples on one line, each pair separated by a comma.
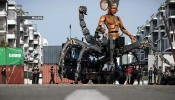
[(21, 12), (3, 43)]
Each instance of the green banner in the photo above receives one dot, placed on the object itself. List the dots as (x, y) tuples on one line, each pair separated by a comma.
[(15, 56), (2, 56)]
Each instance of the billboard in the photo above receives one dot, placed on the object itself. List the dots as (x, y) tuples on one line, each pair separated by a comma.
[(11, 56), (15, 56), (2, 56)]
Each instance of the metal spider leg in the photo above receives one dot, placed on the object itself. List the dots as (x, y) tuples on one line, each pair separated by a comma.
[(112, 45), (78, 69)]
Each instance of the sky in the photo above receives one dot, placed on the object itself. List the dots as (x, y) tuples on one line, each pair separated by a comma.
[(59, 14)]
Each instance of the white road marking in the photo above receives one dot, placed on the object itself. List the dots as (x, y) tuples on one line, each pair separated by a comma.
[(86, 94)]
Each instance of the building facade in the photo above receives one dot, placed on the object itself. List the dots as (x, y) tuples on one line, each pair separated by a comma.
[(154, 29), (3, 19), (11, 21), (31, 40)]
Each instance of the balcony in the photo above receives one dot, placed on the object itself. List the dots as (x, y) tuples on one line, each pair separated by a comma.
[(171, 14), (10, 36), (171, 29), (2, 12), (12, 2), (161, 9), (26, 45), (21, 41), (30, 59), (155, 38), (31, 49), (36, 52), (154, 29), (35, 61), (2, 28), (11, 22), (160, 23), (27, 22), (31, 45), (11, 31), (36, 41), (26, 34), (30, 37), (154, 17), (31, 32), (168, 47), (31, 28), (36, 33), (21, 28), (169, 1)]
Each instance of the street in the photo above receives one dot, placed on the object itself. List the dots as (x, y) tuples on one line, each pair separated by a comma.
[(86, 92)]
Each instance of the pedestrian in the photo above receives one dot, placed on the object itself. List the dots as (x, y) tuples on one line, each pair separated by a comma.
[(35, 74), (155, 75), (52, 75), (142, 74), (159, 72), (138, 73), (150, 73), (38, 73), (128, 74), (3, 73)]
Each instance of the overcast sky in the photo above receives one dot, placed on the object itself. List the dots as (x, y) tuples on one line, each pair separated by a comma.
[(59, 14)]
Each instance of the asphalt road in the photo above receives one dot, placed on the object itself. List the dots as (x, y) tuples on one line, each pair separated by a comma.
[(86, 92)]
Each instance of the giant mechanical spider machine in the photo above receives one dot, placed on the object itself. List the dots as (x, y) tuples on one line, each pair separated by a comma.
[(104, 50)]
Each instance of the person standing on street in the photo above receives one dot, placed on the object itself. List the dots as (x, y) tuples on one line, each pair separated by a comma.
[(35, 75), (38, 73), (142, 74), (138, 73), (3, 73), (150, 73), (52, 75), (159, 72), (128, 73), (155, 75)]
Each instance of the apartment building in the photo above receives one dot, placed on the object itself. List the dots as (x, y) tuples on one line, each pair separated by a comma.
[(3, 19), (170, 19), (31, 41), (154, 30), (11, 21), (145, 32)]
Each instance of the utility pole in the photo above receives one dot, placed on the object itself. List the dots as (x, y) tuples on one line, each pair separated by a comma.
[(170, 42), (70, 30)]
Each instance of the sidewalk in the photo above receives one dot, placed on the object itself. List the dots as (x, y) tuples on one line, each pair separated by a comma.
[(135, 83)]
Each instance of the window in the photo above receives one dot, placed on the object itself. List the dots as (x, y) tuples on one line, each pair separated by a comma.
[(162, 28)]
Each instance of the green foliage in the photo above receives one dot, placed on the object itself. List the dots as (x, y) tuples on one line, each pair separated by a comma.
[(3, 43), (162, 4), (21, 12)]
